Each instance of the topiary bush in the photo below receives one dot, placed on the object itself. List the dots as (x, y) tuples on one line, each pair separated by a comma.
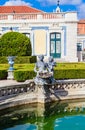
[(3, 60), (15, 44)]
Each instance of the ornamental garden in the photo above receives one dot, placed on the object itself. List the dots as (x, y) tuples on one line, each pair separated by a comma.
[(19, 45)]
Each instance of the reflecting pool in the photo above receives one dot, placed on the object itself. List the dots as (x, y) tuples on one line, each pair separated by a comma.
[(67, 115)]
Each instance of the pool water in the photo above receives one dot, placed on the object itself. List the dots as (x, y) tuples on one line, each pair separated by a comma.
[(70, 123), (68, 115), (23, 127)]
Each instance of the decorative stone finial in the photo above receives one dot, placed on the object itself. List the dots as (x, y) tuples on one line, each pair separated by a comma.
[(58, 8)]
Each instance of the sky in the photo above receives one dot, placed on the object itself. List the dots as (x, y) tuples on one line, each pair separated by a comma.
[(50, 5)]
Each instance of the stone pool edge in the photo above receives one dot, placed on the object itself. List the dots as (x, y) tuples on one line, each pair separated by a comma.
[(14, 94)]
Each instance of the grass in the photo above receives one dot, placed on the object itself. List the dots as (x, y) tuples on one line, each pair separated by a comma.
[(18, 66), (58, 66), (70, 65)]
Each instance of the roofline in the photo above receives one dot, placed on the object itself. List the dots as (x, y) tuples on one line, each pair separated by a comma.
[(21, 6), (81, 21)]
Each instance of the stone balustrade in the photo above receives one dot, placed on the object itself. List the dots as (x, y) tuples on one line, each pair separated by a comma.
[(67, 89), (10, 91), (28, 92), (31, 16)]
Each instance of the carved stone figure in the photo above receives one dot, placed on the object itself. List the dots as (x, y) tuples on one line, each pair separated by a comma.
[(40, 66), (51, 64), (45, 71)]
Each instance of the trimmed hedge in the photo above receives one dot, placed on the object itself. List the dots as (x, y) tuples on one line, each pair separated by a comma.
[(3, 74), (19, 59), (25, 59), (23, 72), (69, 73), (21, 76)]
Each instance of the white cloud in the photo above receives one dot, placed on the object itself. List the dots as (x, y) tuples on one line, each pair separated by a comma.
[(62, 2), (71, 2), (81, 11), (16, 2)]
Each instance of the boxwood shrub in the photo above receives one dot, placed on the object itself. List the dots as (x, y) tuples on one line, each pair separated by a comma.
[(69, 73), (25, 59), (3, 74), (3, 60), (22, 75), (16, 44), (23, 72)]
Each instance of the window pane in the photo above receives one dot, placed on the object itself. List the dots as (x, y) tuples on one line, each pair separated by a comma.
[(58, 47), (53, 36), (79, 47), (58, 35), (52, 46)]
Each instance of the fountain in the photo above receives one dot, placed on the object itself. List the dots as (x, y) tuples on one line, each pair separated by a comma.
[(44, 78)]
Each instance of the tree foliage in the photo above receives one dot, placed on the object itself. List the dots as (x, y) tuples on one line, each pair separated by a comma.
[(15, 44)]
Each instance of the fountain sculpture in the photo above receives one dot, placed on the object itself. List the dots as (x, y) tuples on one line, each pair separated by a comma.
[(45, 71)]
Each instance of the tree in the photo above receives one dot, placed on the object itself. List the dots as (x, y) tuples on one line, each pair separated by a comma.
[(15, 44)]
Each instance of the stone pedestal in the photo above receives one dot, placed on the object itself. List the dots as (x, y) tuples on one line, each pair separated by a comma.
[(43, 94), (10, 74), (40, 94)]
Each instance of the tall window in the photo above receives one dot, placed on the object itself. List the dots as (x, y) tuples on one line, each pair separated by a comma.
[(79, 47), (55, 45)]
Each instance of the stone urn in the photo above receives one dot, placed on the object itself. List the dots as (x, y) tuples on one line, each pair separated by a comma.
[(11, 62)]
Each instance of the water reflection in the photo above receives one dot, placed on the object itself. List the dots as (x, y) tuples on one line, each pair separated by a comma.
[(23, 127), (39, 116)]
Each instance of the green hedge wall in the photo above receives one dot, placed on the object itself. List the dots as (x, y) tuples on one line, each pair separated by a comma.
[(69, 73), (21, 76), (58, 74), (3, 74), (25, 59), (24, 73), (19, 59)]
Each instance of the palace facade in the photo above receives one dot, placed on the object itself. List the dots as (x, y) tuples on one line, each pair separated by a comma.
[(52, 34)]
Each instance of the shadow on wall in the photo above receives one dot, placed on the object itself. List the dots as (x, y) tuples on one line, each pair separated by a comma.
[(54, 90)]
